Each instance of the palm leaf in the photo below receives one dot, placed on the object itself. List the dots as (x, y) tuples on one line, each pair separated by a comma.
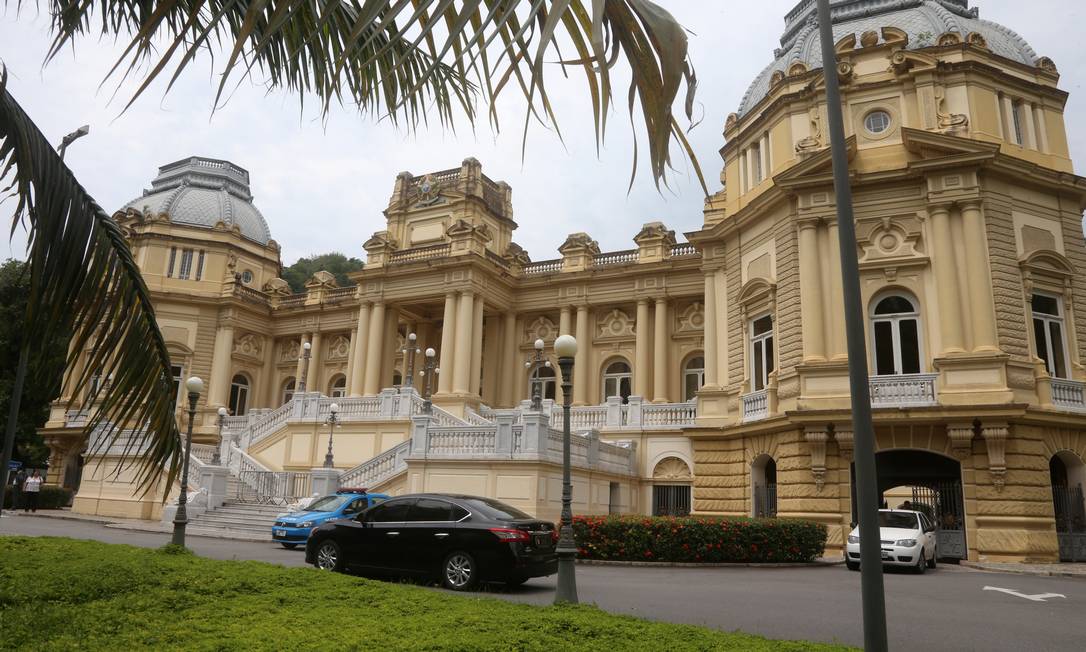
[(84, 281), (408, 60)]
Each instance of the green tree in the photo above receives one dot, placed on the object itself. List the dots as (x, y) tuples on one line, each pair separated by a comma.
[(335, 263), (45, 371)]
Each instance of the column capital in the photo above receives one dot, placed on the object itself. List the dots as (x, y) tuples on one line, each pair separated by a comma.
[(805, 223), (973, 203), (939, 208)]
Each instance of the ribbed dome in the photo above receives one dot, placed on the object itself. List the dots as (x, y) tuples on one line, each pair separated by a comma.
[(923, 20), (202, 192)]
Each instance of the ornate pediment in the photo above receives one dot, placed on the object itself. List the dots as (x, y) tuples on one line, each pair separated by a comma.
[(277, 287), (615, 324), (339, 347), (541, 329), (322, 280), (514, 253), (579, 242), (249, 345), (691, 319), (890, 241)]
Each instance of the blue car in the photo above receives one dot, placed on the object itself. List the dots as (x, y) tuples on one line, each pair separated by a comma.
[(292, 530)]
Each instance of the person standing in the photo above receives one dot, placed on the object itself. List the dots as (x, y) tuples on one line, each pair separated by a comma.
[(17, 484), (31, 489)]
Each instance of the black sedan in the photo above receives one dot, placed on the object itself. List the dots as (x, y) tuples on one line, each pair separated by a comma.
[(462, 540)]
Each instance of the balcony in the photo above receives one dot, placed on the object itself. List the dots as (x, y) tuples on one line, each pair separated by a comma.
[(755, 405), (905, 390), (1069, 394)]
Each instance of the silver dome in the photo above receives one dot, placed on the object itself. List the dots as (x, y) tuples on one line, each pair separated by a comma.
[(923, 20), (202, 192)]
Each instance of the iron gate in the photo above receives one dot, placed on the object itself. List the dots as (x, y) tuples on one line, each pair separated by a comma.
[(765, 501), (273, 487), (1070, 522), (670, 500), (942, 502)]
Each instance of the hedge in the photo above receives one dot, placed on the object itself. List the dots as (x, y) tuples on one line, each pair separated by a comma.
[(698, 539), (48, 498)]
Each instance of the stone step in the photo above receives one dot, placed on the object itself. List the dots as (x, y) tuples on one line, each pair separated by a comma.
[(214, 518)]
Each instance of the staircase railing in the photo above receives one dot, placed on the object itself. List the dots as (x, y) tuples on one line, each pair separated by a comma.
[(376, 470)]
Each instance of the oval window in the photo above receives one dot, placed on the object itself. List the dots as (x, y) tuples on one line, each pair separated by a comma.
[(247, 277), (877, 122)]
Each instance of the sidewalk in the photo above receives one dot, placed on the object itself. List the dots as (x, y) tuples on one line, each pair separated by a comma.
[(138, 525), (1053, 569)]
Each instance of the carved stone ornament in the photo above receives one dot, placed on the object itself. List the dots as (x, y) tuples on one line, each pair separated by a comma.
[(1046, 64), (691, 319), (249, 345), (277, 287), (729, 124), (321, 279), (577, 242), (290, 351), (339, 348), (796, 69), (514, 253), (976, 39), (671, 468), (816, 439), (616, 324), (428, 192), (995, 439), (541, 329), (950, 38), (950, 123), (961, 439), (845, 71), (844, 438), (869, 39), (654, 231)]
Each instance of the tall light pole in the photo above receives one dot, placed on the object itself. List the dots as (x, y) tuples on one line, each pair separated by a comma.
[(565, 347), (216, 459), (195, 387), (533, 363), (428, 370), (332, 420), (410, 350), (305, 366), (872, 596)]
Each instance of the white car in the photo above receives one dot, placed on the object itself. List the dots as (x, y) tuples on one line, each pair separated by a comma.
[(908, 539)]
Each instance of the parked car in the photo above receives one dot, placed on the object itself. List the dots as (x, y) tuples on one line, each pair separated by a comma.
[(460, 540), (293, 529), (908, 539)]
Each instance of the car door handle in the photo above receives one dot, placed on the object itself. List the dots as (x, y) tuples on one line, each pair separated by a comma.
[(392, 534), (441, 535)]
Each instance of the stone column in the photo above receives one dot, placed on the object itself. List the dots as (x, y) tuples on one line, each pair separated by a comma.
[(1008, 119), (1042, 128), (448, 343), (266, 397), (1027, 118), (390, 347), (660, 367), (374, 349), (219, 392), (315, 380), (641, 350), (476, 348), (302, 339), (565, 321), (580, 360), (720, 287), (811, 296), (465, 311), (946, 280), (838, 348), (359, 345), (980, 280), (711, 353), (510, 366)]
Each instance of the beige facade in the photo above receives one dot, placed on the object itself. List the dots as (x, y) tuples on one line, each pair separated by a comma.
[(717, 363)]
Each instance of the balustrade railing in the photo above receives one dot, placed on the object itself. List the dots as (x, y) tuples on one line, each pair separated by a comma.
[(204, 452), (755, 405), (668, 414), (420, 253), (246, 293), (625, 257), (340, 293), (462, 441), (1069, 394), (543, 267), (293, 300), (683, 249), (378, 469), (906, 390), (475, 419)]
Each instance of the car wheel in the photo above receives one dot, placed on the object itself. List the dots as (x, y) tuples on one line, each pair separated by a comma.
[(289, 546), (329, 557), (459, 572), (921, 563), (852, 565)]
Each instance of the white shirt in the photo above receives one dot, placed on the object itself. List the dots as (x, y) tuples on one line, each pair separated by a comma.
[(32, 484)]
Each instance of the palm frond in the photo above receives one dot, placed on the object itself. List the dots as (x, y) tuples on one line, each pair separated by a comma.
[(84, 281), (406, 60)]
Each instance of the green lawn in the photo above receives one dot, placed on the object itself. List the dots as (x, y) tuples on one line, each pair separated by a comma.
[(63, 594)]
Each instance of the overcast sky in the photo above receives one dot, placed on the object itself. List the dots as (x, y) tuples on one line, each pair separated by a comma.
[(322, 185)]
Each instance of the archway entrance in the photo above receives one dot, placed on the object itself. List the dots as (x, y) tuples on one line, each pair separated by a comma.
[(1068, 474), (926, 482)]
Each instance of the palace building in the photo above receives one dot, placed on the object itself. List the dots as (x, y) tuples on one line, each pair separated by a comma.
[(711, 371)]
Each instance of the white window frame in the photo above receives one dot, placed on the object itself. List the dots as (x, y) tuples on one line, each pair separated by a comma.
[(200, 266), (693, 371), (185, 267), (290, 386), (1047, 320), (335, 390), (170, 264), (548, 385), (895, 320), (616, 377), (178, 373), (768, 361), (242, 395)]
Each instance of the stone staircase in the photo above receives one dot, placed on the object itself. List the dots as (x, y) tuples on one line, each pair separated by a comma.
[(237, 520)]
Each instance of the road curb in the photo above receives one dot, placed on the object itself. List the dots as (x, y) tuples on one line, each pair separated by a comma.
[(678, 564), (1021, 571), (63, 516)]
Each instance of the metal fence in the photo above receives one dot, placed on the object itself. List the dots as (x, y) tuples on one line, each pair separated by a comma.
[(765, 501), (273, 487), (671, 500), (1070, 522)]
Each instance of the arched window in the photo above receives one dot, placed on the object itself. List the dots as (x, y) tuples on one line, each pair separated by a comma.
[(288, 390), (547, 381), (895, 327), (239, 395), (338, 387), (617, 380), (764, 487), (763, 361), (693, 377)]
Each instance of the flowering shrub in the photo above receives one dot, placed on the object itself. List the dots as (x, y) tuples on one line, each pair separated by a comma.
[(698, 539)]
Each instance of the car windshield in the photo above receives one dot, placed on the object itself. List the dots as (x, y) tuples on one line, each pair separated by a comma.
[(327, 504), (897, 519), (498, 511)]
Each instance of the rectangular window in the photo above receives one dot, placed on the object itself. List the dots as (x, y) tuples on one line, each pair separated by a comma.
[(186, 264), (177, 371), (1048, 334), (173, 258), (910, 346), (884, 349), (761, 352), (200, 266), (1016, 115)]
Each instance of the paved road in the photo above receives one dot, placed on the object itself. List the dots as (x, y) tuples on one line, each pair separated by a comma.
[(943, 610)]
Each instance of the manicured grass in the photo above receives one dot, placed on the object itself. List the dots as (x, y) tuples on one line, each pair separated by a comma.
[(63, 594)]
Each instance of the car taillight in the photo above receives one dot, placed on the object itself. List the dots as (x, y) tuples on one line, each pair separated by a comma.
[(509, 535)]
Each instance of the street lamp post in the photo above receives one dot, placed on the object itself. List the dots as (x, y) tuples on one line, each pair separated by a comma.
[(872, 595), (409, 351), (534, 362), (71, 138), (216, 458), (195, 387), (333, 419), (565, 347), (305, 366), (428, 370)]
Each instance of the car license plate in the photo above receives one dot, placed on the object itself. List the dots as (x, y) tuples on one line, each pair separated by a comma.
[(280, 533), (885, 555), (542, 540)]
